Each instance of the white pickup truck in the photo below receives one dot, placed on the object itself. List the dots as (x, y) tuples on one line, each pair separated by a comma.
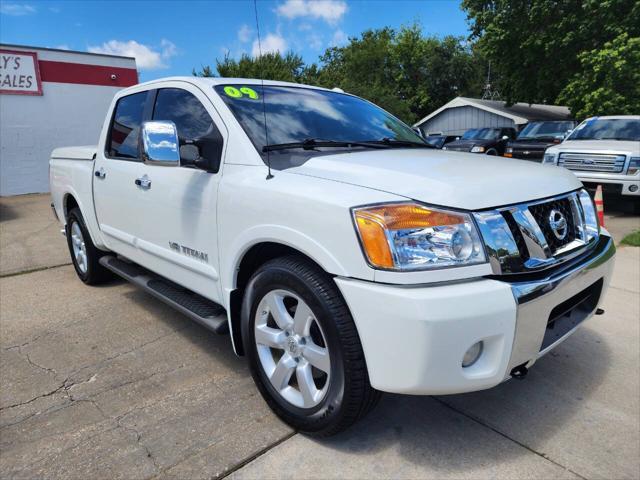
[(343, 254), (603, 151)]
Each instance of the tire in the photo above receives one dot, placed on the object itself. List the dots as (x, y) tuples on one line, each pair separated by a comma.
[(492, 151), (342, 393), (86, 264)]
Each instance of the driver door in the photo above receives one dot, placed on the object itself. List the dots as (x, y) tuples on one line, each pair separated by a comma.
[(177, 234)]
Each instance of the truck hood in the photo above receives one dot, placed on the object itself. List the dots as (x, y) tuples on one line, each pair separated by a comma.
[(451, 179), (596, 146)]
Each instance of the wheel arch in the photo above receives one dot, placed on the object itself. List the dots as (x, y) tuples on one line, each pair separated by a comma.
[(71, 200), (251, 260)]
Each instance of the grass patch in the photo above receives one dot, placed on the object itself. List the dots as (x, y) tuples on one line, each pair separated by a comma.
[(632, 239)]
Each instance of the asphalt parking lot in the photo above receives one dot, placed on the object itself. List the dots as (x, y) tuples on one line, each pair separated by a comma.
[(104, 382)]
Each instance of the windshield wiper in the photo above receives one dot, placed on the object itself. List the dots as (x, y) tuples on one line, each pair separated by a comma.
[(312, 143), (392, 142), (617, 138)]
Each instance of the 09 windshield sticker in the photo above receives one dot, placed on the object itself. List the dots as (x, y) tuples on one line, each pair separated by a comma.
[(242, 92)]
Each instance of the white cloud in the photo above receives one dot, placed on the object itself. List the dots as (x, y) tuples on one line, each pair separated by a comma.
[(331, 11), (17, 9), (244, 34), (339, 38), (64, 46), (270, 44), (168, 48), (147, 58), (314, 40)]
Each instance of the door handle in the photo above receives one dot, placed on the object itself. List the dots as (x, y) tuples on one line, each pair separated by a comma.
[(100, 173), (143, 182)]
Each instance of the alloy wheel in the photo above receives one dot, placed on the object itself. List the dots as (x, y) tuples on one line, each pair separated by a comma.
[(79, 247), (292, 348)]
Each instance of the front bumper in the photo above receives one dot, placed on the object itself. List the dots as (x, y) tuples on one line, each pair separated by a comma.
[(623, 184), (414, 338)]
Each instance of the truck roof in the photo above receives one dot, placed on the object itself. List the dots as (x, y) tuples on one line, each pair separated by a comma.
[(212, 81)]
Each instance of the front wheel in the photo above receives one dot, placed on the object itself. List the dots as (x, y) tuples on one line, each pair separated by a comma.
[(303, 347)]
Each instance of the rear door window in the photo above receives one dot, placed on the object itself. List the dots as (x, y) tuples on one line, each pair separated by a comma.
[(125, 126), (194, 124)]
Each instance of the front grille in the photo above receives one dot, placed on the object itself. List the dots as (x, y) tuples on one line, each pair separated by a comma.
[(542, 213), (530, 237), (517, 236), (528, 154), (458, 149), (592, 162)]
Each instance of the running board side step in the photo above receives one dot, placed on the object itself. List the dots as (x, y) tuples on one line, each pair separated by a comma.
[(196, 307)]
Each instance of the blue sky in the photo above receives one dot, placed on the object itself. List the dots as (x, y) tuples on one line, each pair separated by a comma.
[(172, 38)]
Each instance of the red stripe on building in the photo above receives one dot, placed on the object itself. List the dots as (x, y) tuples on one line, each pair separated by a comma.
[(83, 74)]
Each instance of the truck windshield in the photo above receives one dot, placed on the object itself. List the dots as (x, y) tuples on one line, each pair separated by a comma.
[(552, 130), (607, 129), (481, 134), (299, 115)]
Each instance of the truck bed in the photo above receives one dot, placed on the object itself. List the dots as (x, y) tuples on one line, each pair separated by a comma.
[(71, 174)]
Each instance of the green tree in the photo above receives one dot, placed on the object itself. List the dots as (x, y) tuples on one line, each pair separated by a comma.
[(271, 66), (404, 72), (535, 46), (608, 82)]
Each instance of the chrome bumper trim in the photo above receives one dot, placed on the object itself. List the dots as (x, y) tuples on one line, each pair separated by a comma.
[(536, 299)]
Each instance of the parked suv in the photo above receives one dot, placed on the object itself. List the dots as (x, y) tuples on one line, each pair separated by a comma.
[(534, 139), (491, 141), (602, 150)]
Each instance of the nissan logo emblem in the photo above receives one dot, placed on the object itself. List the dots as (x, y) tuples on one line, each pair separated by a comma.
[(558, 224)]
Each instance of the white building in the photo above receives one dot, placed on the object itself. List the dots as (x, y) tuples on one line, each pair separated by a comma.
[(51, 98), (462, 113)]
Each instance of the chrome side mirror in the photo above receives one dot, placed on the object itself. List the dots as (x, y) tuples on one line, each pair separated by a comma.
[(160, 143)]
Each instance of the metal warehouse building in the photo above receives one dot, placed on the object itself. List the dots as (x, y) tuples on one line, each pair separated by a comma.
[(462, 113), (51, 98)]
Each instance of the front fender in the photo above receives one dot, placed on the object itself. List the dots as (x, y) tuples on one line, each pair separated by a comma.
[(290, 237)]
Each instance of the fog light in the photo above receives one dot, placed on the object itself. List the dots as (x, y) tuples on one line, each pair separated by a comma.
[(633, 188), (472, 355)]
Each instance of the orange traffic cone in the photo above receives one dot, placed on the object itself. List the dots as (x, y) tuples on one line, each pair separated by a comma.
[(599, 205)]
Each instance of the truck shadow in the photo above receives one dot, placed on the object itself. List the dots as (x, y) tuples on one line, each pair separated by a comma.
[(7, 212), (217, 346), (450, 432)]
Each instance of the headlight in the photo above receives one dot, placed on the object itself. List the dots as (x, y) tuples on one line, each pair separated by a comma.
[(444, 148), (508, 150), (592, 228), (408, 236), (477, 149), (549, 159), (634, 166)]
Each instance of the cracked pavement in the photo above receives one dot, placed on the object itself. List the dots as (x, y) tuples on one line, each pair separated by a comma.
[(105, 382)]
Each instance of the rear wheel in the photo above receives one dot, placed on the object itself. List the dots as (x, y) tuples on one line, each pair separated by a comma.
[(304, 351), (84, 254)]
